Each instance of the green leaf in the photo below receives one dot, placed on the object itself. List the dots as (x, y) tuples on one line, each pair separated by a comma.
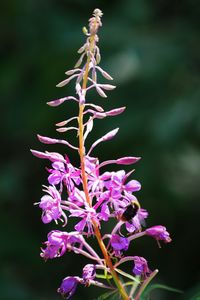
[(127, 275), (196, 296), (152, 287)]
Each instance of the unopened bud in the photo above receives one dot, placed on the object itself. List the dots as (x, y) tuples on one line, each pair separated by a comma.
[(85, 31)]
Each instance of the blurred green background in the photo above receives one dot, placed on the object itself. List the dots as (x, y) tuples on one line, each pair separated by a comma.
[(152, 49)]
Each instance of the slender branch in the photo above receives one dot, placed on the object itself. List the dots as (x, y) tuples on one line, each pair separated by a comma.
[(82, 252), (136, 235), (91, 250), (123, 260)]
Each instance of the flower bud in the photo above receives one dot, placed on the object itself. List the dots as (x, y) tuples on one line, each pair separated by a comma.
[(107, 87), (47, 140), (89, 273), (57, 102), (100, 92), (110, 135), (68, 286), (140, 266), (129, 160)]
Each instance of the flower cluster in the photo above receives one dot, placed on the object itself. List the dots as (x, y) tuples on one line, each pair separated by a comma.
[(91, 195)]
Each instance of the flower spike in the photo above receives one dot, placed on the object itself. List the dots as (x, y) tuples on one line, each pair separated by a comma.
[(90, 195)]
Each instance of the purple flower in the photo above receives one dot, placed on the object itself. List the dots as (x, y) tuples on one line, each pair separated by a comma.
[(95, 181), (140, 266), (65, 173), (159, 232), (77, 197), (105, 212), (56, 173), (117, 185), (68, 286), (89, 273), (52, 156), (57, 244), (119, 244), (50, 204), (88, 215)]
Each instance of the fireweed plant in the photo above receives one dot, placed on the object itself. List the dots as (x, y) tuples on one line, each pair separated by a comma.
[(91, 195)]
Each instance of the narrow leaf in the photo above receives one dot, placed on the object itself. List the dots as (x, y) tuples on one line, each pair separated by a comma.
[(127, 275), (106, 295)]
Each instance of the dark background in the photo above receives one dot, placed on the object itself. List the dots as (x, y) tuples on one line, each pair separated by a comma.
[(152, 49)]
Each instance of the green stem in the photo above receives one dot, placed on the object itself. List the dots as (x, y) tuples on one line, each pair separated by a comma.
[(145, 283)]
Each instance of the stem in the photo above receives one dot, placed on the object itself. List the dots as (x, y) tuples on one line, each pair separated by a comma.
[(84, 180), (123, 260), (90, 249), (133, 289), (145, 283), (84, 253), (101, 285), (136, 235), (82, 154)]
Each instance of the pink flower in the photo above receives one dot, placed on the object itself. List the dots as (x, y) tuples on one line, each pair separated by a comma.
[(117, 184), (119, 244), (50, 205), (140, 266), (57, 244), (159, 232), (88, 216), (64, 173)]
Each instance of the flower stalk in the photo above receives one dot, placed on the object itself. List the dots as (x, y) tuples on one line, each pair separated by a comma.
[(92, 196)]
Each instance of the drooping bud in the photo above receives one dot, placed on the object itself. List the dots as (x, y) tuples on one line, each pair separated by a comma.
[(68, 286), (52, 156), (140, 266), (104, 73), (57, 102), (89, 273), (47, 140), (159, 232)]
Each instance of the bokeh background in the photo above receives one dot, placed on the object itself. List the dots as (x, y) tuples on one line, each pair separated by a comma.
[(152, 49)]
